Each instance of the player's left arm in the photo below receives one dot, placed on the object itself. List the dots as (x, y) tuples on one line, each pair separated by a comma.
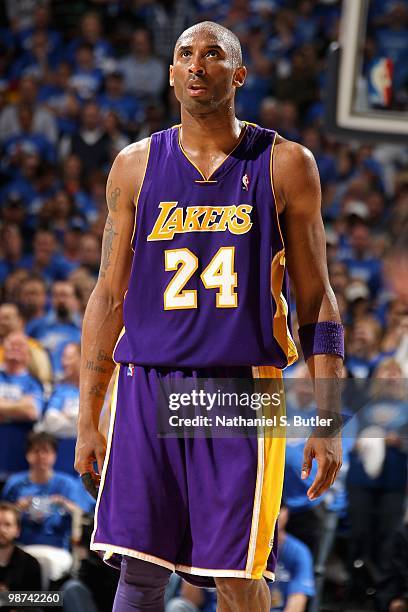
[(298, 193)]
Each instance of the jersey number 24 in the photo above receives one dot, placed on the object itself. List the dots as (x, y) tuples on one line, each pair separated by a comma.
[(219, 274)]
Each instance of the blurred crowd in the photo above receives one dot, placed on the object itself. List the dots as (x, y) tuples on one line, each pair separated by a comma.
[(80, 80)]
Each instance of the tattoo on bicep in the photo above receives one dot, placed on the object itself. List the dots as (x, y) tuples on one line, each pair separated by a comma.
[(113, 197), (107, 245)]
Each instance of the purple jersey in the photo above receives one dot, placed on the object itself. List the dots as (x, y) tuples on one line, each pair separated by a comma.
[(208, 285)]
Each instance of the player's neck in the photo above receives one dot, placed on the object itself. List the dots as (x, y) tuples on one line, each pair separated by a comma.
[(207, 133)]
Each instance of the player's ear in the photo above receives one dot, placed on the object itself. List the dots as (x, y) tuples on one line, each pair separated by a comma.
[(171, 77), (239, 76)]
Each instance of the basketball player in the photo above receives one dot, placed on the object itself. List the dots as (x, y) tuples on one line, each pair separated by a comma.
[(203, 219)]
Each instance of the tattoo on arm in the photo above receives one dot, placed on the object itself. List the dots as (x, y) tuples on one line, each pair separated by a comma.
[(104, 356), (98, 390), (92, 366), (113, 197), (107, 245)]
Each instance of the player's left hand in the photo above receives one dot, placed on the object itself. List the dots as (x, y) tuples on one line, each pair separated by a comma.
[(328, 454)]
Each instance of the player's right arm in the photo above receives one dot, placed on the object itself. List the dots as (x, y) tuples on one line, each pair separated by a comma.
[(103, 318)]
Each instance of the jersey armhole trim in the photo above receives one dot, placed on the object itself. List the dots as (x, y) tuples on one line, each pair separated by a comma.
[(273, 188), (136, 199)]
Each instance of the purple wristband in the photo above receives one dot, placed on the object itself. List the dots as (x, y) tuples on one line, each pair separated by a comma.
[(325, 338)]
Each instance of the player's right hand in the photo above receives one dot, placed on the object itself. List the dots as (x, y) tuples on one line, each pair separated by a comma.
[(90, 448)]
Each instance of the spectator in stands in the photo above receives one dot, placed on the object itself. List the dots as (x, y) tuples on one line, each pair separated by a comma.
[(392, 592), (397, 267), (61, 325), (91, 144), (19, 571), (12, 285), (41, 23), (43, 120), (71, 176), (144, 74), (57, 97), (64, 216), (94, 587), (396, 326), (61, 413), (363, 346), (33, 302), (361, 263), (47, 500), (84, 284), (14, 213), (294, 583), (339, 276), (118, 140), (20, 13), (114, 98), (269, 114), (11, 250), (21, 403), (45, 260), (358, 299), (39, 60), (300, 85), (90, 254), (71, 243), (23, 162), (312, 139), (86, 80), (154, 116), (12, 321), (27, 140), (259, 81), (91, 34), (289, 117), (377, 478)]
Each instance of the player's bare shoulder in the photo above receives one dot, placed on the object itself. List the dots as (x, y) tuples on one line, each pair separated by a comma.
[(129, 166), (294, 170)]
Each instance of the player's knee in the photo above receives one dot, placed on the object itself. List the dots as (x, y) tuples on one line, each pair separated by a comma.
[(241, 590), (141, 586), (143, 574)]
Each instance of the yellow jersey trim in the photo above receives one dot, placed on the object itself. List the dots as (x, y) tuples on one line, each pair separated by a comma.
[(268, 488)]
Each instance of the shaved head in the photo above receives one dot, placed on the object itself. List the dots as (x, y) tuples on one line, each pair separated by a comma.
[(222, 35)]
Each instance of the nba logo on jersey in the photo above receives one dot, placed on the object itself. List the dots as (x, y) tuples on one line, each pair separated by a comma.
[(130, 370), (245, 182)]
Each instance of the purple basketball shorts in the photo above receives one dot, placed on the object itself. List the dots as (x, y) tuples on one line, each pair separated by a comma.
[(202, 507)]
